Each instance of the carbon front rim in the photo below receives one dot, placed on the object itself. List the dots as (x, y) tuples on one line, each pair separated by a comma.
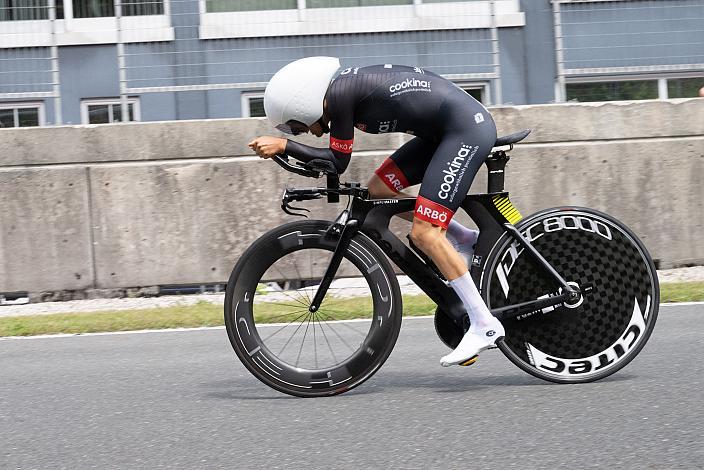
[(312, 353)]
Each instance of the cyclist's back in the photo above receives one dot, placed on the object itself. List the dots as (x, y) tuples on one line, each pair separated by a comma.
[(392, 98)]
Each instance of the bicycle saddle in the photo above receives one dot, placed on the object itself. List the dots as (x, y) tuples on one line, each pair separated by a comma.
[(512, 138)]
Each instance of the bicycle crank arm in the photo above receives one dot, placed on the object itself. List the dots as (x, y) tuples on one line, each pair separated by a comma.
[(532, 306), (347, 233)]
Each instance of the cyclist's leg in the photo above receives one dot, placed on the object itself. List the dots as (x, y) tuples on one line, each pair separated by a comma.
[(445, 184), (404, 168)]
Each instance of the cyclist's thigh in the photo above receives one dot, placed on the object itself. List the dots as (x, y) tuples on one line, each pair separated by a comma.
[(407, 165), (454, 165)]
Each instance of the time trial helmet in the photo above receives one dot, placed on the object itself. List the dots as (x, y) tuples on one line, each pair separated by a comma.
[(296, 92)]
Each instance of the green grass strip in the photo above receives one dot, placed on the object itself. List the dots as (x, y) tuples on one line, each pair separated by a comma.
[(191, 316), (207, 314), (682, 292)]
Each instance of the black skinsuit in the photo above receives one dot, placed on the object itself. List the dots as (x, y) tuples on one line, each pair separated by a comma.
[(454, 132)]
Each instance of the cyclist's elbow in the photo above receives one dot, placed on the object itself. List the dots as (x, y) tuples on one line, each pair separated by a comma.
[(341, 164)]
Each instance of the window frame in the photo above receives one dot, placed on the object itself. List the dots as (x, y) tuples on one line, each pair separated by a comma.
[(660, 78), (71, 31), (244, 101), (418, 16), (17, 105), (484, 87), (111, 102)]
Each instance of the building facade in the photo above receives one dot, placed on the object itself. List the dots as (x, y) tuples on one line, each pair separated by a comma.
[(102, 61)]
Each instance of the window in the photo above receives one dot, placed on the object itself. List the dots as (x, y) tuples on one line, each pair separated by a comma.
[(214, 6), (277, 18), (353, 3), (478, 91), (684, 87), (253, 104), (19, 10), (102, 8), (613, 91), (108, 111), (22, 10), (21, 115)]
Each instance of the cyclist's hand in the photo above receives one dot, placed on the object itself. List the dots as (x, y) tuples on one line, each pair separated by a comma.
[(267, 146)]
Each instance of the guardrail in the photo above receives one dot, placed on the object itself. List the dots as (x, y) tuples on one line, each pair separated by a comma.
[(168, 203)]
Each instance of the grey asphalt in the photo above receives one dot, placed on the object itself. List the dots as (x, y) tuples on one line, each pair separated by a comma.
[(183, 400)]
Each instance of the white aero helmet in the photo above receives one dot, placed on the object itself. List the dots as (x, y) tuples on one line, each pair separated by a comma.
[(296, 92)]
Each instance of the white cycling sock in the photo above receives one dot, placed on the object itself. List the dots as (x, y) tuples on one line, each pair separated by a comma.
[(479, 315), (461, 234)]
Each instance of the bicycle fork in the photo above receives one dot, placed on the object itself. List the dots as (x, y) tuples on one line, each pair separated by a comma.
[(345, 229)]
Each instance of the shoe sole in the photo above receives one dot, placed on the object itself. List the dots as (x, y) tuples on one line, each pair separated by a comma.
[(469, 361), (474, 358)]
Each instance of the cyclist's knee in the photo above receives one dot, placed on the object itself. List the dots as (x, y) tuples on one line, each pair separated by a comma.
[(378, 189), (426, 235)]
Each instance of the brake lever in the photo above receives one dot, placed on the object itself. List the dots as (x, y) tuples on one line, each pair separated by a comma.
[(286, 208)]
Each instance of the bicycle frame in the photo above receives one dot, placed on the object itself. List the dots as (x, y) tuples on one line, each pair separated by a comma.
[(492, 212)]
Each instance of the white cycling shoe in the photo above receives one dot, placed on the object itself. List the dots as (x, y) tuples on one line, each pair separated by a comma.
[(474, 341)]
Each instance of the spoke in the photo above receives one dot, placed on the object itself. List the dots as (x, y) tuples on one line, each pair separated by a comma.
[(315, 317), (300, 278), (293, 312), (297, 300), (303, 295), (315, 343), (289, 340), (330, 313), (298, 358), (343, 323), (287, 324), (298, 306), (338, 335), (283, 276)]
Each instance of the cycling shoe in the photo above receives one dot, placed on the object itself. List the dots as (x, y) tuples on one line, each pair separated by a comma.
[(474, 342)]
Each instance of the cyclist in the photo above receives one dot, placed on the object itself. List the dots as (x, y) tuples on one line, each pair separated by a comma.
[(453, 134)]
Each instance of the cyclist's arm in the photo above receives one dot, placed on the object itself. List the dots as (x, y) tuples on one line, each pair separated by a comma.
[(340, 104)]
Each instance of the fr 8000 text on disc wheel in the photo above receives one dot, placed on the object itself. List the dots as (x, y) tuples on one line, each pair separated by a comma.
[(305, 353)]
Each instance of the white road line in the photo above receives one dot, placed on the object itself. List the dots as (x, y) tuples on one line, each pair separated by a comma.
[(206, 328)]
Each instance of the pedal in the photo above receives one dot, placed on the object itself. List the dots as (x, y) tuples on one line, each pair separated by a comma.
[(425, 258), (469, 361)]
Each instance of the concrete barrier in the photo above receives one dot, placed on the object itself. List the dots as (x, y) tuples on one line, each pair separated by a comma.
[(99, 207)]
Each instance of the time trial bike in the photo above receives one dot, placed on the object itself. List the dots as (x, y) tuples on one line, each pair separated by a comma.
[(313, 307)]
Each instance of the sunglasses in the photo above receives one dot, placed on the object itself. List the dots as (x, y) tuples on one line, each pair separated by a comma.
[(293, 127)]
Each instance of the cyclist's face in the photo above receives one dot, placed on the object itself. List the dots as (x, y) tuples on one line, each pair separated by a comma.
[(316, 129), (293, 127), (297, 128)]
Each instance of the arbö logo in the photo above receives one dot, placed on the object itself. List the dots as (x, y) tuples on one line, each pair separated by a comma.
[(453, 173), (395, 182), (409, 83), (431, 213)]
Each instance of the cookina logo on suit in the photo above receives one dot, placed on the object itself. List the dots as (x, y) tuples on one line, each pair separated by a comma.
[(453, 175)]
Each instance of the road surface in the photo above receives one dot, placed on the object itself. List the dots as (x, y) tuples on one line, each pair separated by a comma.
[(183, 400)]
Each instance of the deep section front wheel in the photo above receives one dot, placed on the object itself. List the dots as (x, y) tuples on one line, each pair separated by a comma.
[(305, 353), (600, 332)]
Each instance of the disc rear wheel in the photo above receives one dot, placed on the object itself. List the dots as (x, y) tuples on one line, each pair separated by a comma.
[(600, 332)]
